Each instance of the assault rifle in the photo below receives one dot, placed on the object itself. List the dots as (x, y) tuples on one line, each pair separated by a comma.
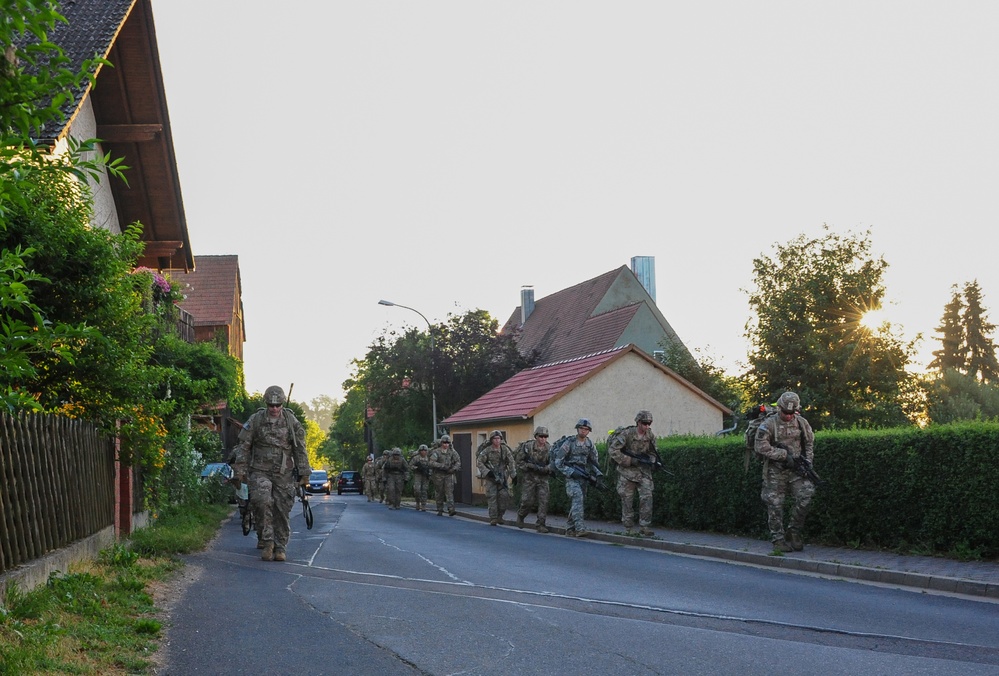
[(424, 468), (580, 474), (801, 466), (655, 462)]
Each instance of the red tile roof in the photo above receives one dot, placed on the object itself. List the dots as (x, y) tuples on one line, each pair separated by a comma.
[(530, 390), (213, 290)]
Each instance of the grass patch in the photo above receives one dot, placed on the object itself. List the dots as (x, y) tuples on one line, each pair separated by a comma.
[(99, 618)]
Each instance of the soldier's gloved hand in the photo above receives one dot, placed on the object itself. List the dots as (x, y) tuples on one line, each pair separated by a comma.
[(304, 481)]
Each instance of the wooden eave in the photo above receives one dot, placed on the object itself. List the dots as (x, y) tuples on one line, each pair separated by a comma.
[(132, 121)]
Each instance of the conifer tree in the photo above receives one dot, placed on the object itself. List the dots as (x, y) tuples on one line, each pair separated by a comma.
[(981, 349), (953, 352)]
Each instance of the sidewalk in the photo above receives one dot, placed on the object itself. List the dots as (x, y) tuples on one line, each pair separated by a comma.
[(973, 578)]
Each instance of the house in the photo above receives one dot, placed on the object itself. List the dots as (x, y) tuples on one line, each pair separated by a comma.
[(213, 297), (607, 387), (611, 310), (127, 110)]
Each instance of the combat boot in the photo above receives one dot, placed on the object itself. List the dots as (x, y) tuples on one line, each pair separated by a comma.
[(520, 521), (795, 537), (780, 545), (570, 532), (260, 544), (440, 512), (268, 553), (451, 512), (581, 533), (279, 555), (646, 531), (541, 527)]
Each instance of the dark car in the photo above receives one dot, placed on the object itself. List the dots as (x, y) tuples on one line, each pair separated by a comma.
[(349, 481), (319, 482)]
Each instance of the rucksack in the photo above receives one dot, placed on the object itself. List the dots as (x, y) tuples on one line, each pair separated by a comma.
[(762, 413)]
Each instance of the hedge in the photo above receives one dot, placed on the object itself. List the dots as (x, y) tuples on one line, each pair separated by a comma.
[(926, 491)]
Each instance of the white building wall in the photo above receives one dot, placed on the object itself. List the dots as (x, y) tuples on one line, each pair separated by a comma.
[(105, 214), (611, 398)]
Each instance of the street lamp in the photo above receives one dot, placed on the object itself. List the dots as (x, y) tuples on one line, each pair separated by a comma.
[(430, 330)]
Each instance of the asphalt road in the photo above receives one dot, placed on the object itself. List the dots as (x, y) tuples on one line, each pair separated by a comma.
[(376, 591)]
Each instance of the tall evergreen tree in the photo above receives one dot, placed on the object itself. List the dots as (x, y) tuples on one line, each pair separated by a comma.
[(982, 362), (953, 352)]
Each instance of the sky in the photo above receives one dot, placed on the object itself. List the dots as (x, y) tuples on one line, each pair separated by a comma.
[(441, 155)]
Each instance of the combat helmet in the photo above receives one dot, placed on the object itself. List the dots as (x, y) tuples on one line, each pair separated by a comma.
[(274, 395), (643, 416), (789, 402), (584, 422), (541, 431), (446, 437), (495, 433), (423, 447), (396, 451)]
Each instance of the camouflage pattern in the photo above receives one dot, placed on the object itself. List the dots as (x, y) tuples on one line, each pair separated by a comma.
[(578, 453), (445, 464), (380, 475), (632, 476), (369, 473), (533, 468), (419, 465), (493, 458), (396, 474), (779, 480), (269, 449)]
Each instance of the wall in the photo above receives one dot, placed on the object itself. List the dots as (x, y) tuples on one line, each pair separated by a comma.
[(84, 127)]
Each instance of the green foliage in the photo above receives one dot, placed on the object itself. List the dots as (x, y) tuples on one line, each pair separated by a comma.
[(179, 529), (807, 335), (982, 363), (953, 352), (400, 373), (952, 396), (905, 489), (704, 374), (345, 445)]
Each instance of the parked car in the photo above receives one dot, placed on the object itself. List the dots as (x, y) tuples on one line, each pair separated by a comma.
[(349, 480), (220, 470), (319, 482)]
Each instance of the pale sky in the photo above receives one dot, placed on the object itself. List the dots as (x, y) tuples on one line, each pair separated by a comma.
[(443, 154)]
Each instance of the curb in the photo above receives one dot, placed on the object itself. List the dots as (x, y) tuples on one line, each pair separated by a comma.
[(850, 572)]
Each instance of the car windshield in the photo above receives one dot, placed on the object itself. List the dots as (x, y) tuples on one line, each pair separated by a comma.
[(318, 476)]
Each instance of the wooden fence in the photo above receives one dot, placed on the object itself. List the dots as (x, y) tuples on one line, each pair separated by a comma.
[(57, 485)]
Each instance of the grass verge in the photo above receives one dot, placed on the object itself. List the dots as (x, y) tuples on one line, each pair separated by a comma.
[(99, 618)]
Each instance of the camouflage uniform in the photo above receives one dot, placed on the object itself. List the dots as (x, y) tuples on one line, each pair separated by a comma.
[(380, 476), (396, 474), (634, 476), (369, 474), (269, 449), (419, 465), (445, 464), (581, 454), (495, 464), (779, 477), (534, 468)]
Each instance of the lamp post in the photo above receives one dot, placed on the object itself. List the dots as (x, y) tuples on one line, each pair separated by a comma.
[(430, 330)]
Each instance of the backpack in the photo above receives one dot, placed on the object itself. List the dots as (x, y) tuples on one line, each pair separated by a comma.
[(756, 418)]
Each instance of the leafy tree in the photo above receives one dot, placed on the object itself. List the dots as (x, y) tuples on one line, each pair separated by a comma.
[(954, 395), (953, 352), (806, 333), (321, 410), (704, 374), (346, 444), (982, 362), (400, 373)]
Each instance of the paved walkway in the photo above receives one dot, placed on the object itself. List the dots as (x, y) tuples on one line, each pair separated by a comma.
[(973, 578)]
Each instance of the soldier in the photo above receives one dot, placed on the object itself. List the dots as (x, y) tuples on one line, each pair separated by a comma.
[(369, 474), (534, 468), (445, 463), (396, 475), (495, 464), (271, 447), (380, 475), (779, 440), (633, 449), (419, 465), (576, 459)]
